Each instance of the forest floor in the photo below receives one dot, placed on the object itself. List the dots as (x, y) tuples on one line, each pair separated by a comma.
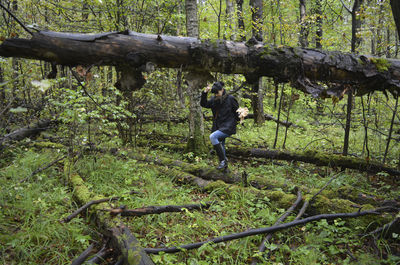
[(34, 203)]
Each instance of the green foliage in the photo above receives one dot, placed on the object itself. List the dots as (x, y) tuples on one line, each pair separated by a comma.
[(30, 231)]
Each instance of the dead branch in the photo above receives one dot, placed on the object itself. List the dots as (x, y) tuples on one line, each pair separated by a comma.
[(100, 256), (82, 257), (86, 206), (262, 247), (387, 228), (158, 209), (43, 168), (265, 230), (308, 202)]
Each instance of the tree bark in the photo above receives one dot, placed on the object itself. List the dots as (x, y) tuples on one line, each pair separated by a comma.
[(159, 209), (302, 67), (303, 38), (256, 87), (196, 81), (242, 34), (317, 159), (395, 5), (318, 33), (356, 25), (25, 132)]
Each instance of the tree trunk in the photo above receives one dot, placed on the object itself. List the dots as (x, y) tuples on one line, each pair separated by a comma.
[(395, 5), (257, 91), (348, 123), (356, 25), (230, 10), (196, 142), (318, 33), (303, 38), (192, 24), (242, 34), (302, 67)]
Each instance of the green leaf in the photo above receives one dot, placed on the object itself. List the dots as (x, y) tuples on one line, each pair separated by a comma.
[(18, 110)]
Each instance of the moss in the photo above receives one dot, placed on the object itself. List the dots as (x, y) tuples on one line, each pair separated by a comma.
[(216, 185), (382, 65), (134, 257), (266, 183), (196, 145), (48, 145), (284, 200)]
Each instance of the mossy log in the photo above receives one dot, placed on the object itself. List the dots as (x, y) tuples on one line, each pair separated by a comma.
[(319, 159), (342, 200), (206, 173), (303, 68), (265, 183), (158, 209), (312, 157), (121, 237), (29, 131)]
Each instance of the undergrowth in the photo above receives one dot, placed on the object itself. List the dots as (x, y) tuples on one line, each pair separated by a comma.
[(30, 231)]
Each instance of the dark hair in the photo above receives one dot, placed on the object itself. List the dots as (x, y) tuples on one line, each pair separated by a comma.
[(217, 86)]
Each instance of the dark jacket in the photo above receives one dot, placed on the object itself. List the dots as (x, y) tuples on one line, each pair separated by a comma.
[(224, 112)]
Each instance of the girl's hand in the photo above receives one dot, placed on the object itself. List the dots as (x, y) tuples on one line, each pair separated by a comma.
[(207, 89)]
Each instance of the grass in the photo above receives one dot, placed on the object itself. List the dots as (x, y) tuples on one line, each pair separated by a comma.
[(30, 231), (234, 211)]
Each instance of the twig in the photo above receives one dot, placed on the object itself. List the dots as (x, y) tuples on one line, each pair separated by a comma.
[(43, 168), (324, 187), (158, 209), (16, 19), (302, 210), (86, 206), (85, 254), (99, 256), (308, 202), (265, 230), (262, 247), (385, 229)]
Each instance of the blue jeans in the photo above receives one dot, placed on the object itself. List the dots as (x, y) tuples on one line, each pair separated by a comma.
[(218, 137)]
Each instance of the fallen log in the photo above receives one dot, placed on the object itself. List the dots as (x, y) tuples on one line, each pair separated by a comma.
[(120, 236), (319, 159), (302, 67), (99, 256), (29, 131), (158, 209), (259, 231)]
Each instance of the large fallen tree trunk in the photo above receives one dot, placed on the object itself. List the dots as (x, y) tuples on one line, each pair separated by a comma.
[(304, 68), (316, 158), (312, 157)]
